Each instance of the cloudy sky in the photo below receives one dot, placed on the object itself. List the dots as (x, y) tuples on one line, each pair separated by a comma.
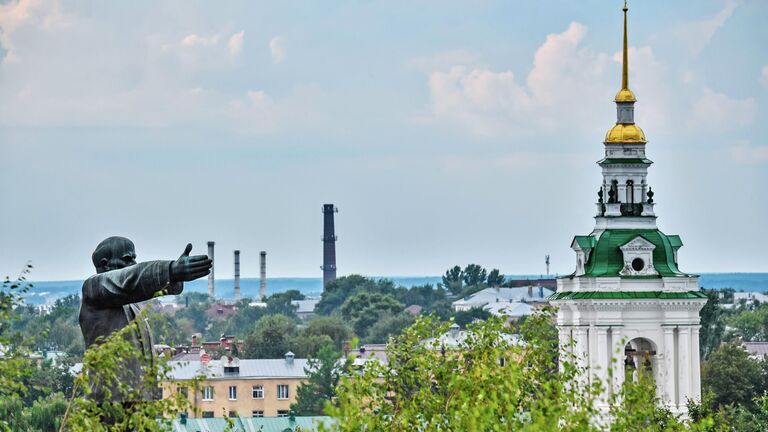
[(446, 132)]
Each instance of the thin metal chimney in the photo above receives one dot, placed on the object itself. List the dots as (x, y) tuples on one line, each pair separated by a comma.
[(211, 291), (263, 275), (329, 244), (237, 275)]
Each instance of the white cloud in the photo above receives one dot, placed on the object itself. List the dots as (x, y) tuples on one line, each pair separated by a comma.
[(277, 49), (16, 15), (193, 40), (491, 102), (717, 111), (745, 152), (764, 76), (696, 35), (235, 43)]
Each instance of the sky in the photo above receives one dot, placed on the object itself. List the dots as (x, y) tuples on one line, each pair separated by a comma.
[(446, 132)]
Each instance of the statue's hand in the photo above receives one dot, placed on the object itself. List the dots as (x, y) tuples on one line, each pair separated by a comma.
[(188, 268)]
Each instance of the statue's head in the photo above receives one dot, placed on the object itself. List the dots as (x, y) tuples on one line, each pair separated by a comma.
[(113, 253)]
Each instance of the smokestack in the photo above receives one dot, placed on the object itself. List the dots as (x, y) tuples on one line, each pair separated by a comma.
[(237, 275), (211, 291), (329, 244), (263, 275)]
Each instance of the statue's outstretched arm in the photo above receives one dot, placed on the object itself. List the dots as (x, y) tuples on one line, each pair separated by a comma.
[(132, 284)]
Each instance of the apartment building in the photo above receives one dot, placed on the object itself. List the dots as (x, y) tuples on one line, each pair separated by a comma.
[(232, 387)]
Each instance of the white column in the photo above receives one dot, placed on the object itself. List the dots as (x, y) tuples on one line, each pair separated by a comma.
[(566, 344), (594, 359), (684, 370), (695, 366), (581, 350), (603, 358), (670, 374), (617, 352)]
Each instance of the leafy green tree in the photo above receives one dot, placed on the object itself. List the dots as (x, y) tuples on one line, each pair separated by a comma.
[(389, 325), (338, 291), (270, 338), (422, 295), (464, 318), (495, 279), (308, 345), (750, 325), (323, 373), (330, 326), (364, 309), (730, 376), (474, 275), (453, 279), (712, 325)]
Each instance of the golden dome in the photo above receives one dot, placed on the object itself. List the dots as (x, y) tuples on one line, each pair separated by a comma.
[(625, 95), (622, 133)]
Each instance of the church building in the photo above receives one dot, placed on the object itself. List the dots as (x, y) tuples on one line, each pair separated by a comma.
[(628, 306)]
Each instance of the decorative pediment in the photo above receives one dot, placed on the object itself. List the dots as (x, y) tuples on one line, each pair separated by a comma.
[(638, 257)]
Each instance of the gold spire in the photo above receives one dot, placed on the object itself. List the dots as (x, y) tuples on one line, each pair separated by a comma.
[(625, 94)]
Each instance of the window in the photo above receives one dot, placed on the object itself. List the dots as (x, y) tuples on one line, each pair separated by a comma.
[(207, 414), (232, 392), (257, 413), (258, 392), (638, 264), (233, 413), (207, 393), (282, 391), (282, 413), (183, 390)]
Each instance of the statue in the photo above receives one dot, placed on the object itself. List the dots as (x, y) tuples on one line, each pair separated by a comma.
[(111, 297)]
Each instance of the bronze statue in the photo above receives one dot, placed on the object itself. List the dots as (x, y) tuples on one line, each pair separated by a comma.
[(111, 297)]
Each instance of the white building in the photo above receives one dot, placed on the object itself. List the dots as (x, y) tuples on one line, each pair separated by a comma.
[(530, 294), (628, 297)]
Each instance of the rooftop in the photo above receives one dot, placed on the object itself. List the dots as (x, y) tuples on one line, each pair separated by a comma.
[(249, 368)]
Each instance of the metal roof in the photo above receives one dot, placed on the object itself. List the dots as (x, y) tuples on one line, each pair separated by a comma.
[(493, 295), (249, 368), (251, 424)]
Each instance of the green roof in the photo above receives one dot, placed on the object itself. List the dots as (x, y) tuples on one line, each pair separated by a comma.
[(607, 260), (585, 242), (624, 161), (621, 295)]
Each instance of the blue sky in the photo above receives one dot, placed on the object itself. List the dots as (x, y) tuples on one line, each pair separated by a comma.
[(445, 132)]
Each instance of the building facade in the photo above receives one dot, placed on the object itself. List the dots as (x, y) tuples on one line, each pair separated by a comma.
[(627, 305), (232, 387)]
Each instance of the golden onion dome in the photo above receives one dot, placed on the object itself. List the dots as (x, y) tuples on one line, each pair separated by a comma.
[(625, 95), (623, 133)]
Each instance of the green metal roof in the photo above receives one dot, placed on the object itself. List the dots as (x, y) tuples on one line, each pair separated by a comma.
[(611, 161), (675, 241), (622, 295), (252, 424), (607, 259), (585, 242)]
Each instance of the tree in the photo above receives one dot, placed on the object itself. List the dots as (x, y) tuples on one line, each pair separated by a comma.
[(363, 309), (389, 325), (712, 325), (280, 303), (323, 372), (270, 337), (464, 318), (750, 325), (495, 279), (452, 279), (330, 326), (474, 275), (730, 376), (307, 345), (339, 290)]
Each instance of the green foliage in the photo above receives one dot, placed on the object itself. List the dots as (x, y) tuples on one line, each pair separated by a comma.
[(330, 326), (463, 318), (338, 291), (750, 325), (389, 325), (474, 275), (270, 338), (364, 309), (712, 325), (495, 279), (323, 372), (730, 376), (422, 295), (453, 279)]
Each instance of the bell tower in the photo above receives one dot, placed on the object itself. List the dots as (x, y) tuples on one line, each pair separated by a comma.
[(628, 305)]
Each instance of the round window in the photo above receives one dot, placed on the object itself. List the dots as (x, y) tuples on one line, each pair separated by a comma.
[(638, 264)]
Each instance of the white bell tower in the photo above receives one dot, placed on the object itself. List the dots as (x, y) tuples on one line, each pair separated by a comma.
[(628, 305)]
